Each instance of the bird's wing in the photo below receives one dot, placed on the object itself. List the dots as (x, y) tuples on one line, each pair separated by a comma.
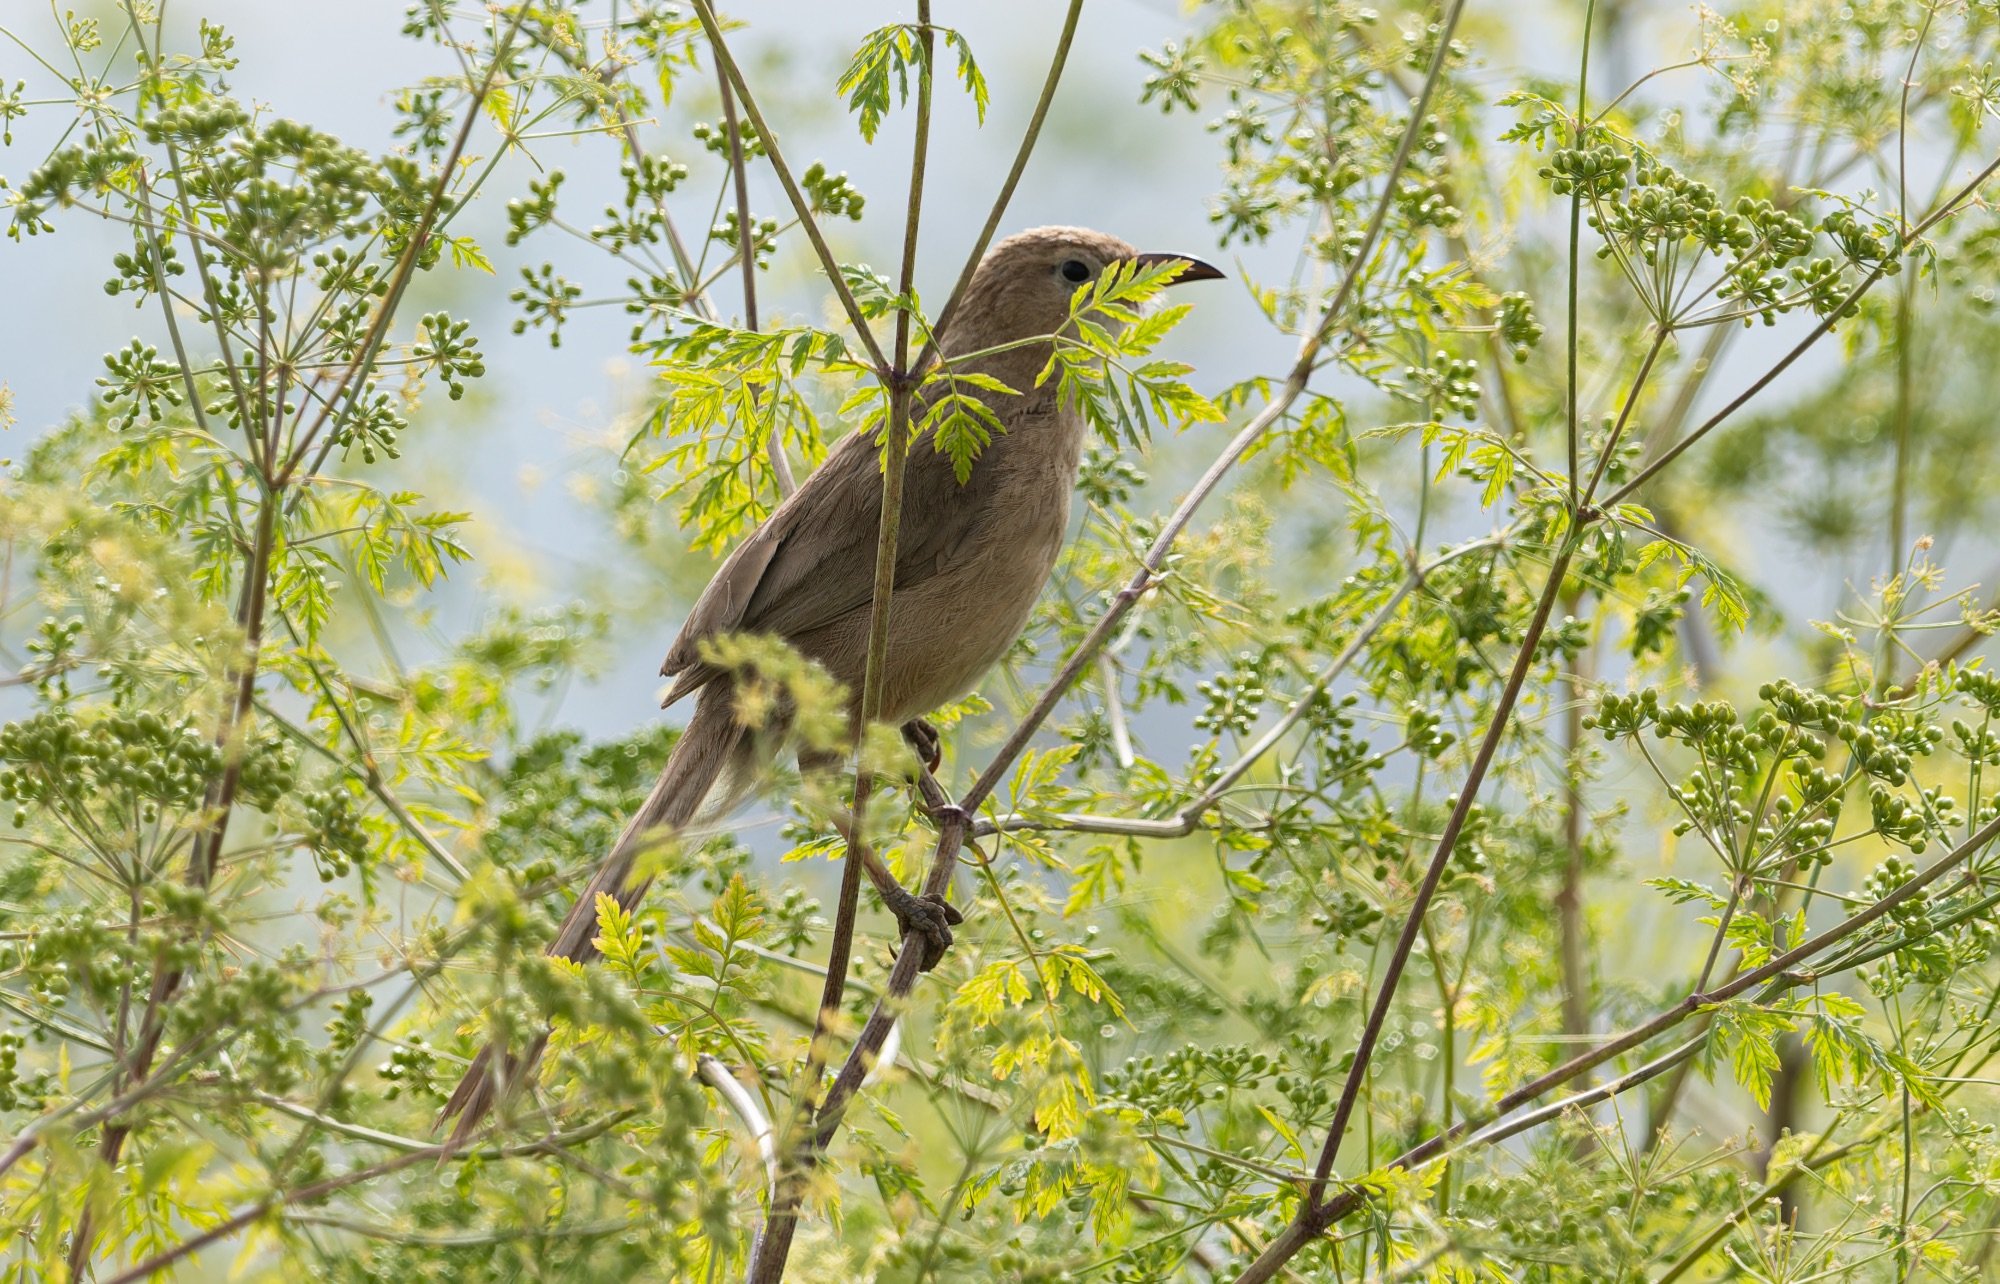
[(813, 561)]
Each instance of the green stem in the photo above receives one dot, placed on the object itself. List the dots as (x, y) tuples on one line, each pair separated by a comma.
[(1385, 994), (774, 446), (1575, 427), (774, 1245), (1057, 62), (705, 12)]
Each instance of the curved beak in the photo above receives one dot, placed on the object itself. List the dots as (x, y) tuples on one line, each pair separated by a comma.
[(1192, 269)]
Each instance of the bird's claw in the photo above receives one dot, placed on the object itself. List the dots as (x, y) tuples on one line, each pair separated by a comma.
[(930, 916), (924, 739)]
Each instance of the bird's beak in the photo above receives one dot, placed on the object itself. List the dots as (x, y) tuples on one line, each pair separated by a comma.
[(1192, 269)]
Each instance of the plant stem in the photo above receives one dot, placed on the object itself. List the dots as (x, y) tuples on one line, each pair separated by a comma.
[(1573, 944), (1057, 61), (774, 446), (1818, 332), (1575, 427), (1899, 486), (705, 11), (1406, 940), (774, 1244)]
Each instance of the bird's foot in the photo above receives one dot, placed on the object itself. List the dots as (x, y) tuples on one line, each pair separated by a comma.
[(924, 738), (929, 916)]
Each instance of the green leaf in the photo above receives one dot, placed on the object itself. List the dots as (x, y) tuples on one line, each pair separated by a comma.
[(968, 71), (881, 66), (465, 252), (619, 938)]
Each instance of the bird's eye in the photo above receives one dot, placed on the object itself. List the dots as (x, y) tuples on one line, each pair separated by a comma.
[(1076, 271)]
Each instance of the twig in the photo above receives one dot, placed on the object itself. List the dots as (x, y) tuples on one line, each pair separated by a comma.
[(1114, 710), (1573, 953), (1406, 941), (1057, 61), (788, 1191), (1574, 433), (705, 11), (774, 447), (1799, 349), (714, 1073)]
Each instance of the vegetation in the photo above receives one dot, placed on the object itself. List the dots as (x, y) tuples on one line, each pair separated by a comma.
[(1435, 837)]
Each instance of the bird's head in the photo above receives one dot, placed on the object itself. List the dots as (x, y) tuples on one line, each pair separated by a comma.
[(1024, 285)]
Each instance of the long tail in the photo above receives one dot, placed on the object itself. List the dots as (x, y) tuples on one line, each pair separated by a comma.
[(711, 767)]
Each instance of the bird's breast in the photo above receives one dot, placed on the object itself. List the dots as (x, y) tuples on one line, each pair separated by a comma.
[(948, 631)]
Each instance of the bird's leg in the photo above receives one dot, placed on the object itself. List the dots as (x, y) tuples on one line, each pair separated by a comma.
[(930, 916), (924, 738)]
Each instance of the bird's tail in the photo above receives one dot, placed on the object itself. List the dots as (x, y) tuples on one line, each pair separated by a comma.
[(711, 767)]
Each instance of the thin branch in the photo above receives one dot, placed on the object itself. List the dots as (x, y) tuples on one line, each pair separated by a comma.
[(705, 11), (1799, 349), (1572, 437), (717, 1076), (1057, 61), (774, 447), (1392, 974), (774, 1244)]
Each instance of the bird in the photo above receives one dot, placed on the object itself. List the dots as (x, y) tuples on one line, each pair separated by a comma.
[(971, 559)]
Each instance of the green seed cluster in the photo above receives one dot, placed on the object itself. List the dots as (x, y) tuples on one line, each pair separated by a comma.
[(372, 428), (1593, 172), (831, 194), (52, 757), (715, 139), (333, 832), (1976, 744), (1234, 699), (450, 351), (1452, 386), (1981, 686), (536, 209), (138, 381), (1897, 819), (411, 1069), (1806, 710), (1515, 319), (1423, 730), (15, 1093), (140, 270), (763, 236), (258, 999), (1346, 916), (1801, 830), (1890, 875), (545, 298), (1715, 804), (1167, 1088)]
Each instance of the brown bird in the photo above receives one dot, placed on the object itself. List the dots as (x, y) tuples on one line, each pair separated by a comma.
[(971, 559)]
